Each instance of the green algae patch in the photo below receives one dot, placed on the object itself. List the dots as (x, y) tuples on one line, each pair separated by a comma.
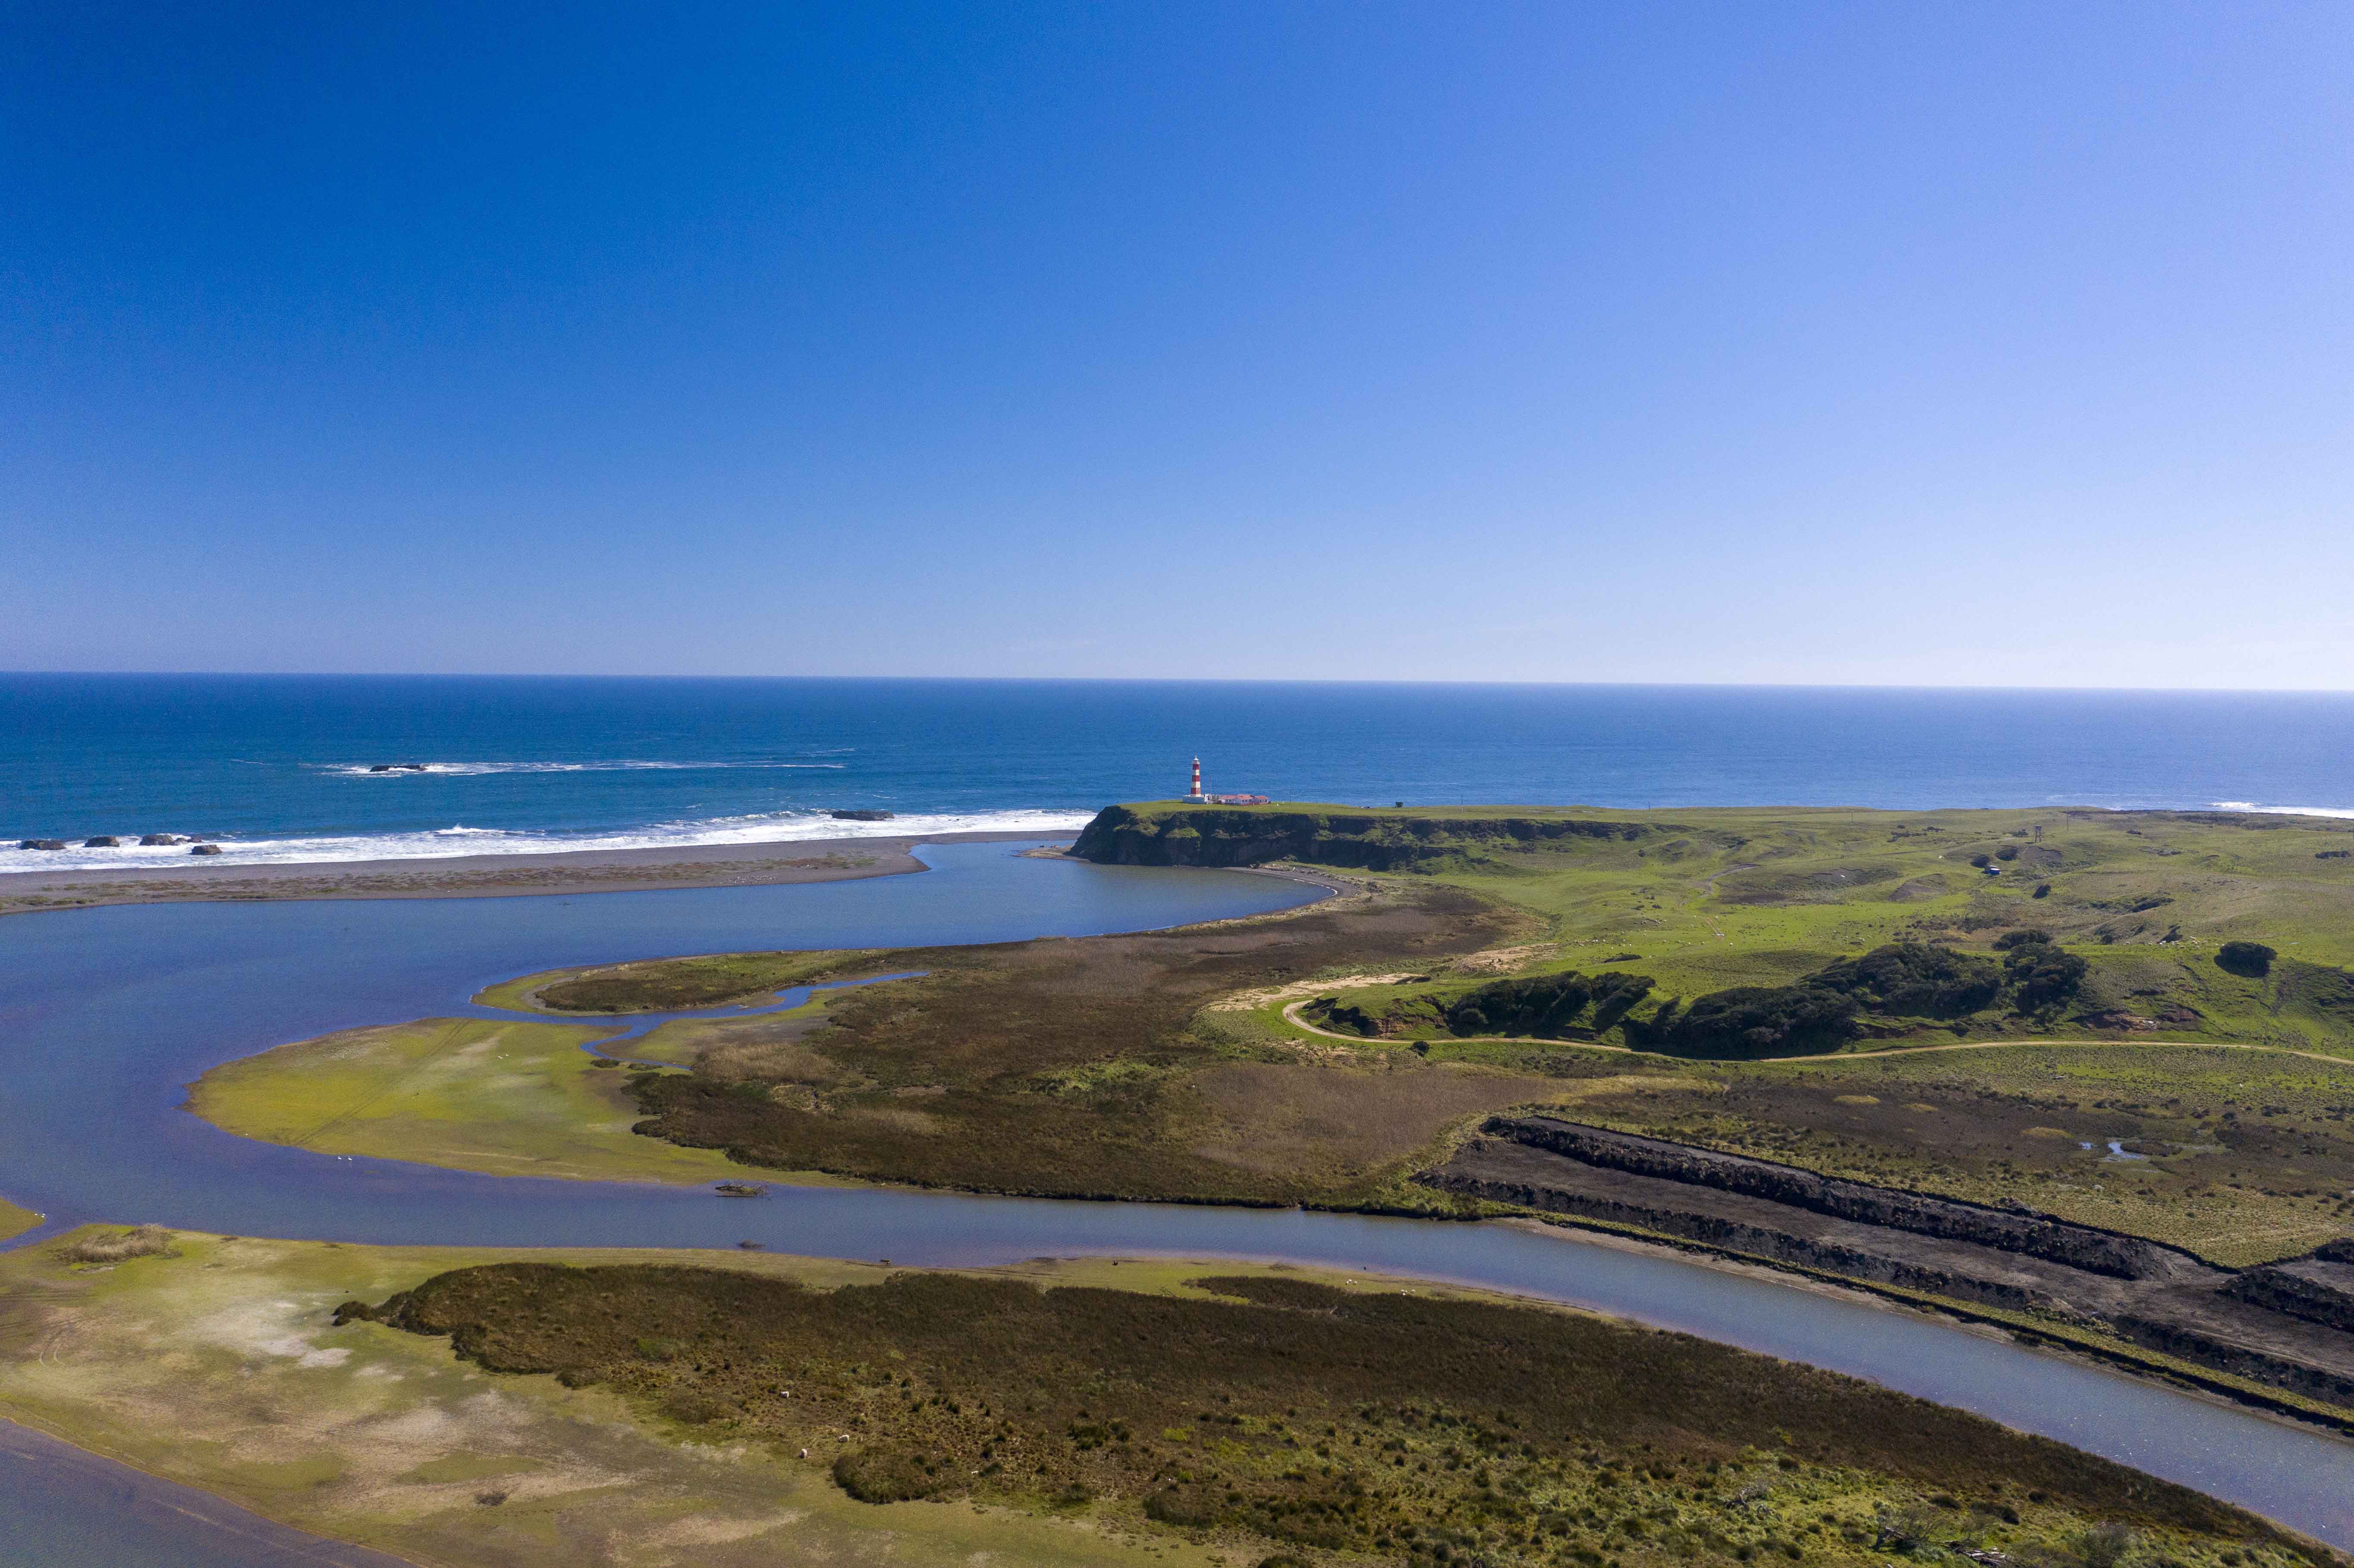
[(15, 1220), (508, 1098)]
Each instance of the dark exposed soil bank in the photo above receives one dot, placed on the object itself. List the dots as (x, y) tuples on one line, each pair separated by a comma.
[(2037, 1235), (2273, 1333), (2315, 1288)]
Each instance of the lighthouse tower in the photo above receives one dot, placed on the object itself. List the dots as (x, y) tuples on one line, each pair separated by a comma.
[(1196, 795)]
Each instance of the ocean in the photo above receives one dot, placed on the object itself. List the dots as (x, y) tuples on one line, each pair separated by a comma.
[(282, 767)]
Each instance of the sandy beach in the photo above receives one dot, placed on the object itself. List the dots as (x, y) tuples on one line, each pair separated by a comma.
[(488, 877)]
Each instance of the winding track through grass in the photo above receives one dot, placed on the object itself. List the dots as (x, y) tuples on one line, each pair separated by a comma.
[(1291, 1016)]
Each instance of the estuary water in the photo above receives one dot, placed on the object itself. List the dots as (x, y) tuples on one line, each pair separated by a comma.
[(107, 1012)]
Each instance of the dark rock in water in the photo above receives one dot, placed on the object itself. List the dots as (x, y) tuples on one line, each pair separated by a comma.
[(205, 849), (103, 840), (740, 1190), (861, 816), (154, 839), (43, 844)]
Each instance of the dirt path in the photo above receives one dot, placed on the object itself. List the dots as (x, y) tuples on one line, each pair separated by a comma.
[(1291, 1016), (2008, 1044)]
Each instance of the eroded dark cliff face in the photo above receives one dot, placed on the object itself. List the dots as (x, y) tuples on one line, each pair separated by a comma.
[(2036, 1236), (2317, 1288), (1489, 1170), (1230, 836), (2286, 1324)]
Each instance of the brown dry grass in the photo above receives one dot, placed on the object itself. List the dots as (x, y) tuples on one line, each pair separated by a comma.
[(1344, 1125), (1071, 1066), (141, 1241), (1414, 1428)]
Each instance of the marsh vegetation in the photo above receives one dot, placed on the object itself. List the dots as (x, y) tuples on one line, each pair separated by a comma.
[(1331, 1423)]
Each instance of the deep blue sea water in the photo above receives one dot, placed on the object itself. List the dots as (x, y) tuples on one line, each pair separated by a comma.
[(279, 763)]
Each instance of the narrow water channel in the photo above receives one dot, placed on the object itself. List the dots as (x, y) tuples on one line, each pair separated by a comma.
[(106, 1014)]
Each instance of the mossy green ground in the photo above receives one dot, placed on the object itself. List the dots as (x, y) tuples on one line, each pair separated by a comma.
[(1710, 899), (668, 985), (14, 1221), (513, 1099)]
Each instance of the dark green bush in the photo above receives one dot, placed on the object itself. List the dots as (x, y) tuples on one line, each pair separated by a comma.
[(2041, 975), (2253, 960), (1915, 979), (1753, 1021), (884, 1476), (1185, 1506), (1547, 1007)]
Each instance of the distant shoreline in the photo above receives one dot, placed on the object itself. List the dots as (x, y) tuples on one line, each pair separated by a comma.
[(772, 864)]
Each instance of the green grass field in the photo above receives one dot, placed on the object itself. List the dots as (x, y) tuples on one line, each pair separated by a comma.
[(1719, 898), (513, 1099), (2248, 1154)]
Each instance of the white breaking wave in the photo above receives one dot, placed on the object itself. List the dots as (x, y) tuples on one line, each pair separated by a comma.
[(2282, 810), (444, 843), (478, 769)]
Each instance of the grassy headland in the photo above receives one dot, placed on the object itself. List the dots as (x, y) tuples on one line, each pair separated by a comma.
[(1840, 934), (1710, 899)]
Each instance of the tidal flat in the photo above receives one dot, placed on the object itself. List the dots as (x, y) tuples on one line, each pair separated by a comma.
[(627, 1407)]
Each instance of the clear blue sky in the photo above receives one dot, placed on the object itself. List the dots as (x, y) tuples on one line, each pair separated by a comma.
[(1913, 344)]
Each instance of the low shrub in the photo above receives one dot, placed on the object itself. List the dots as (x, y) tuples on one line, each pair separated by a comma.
[(2253, 960), (1547, 1007), (886, 1476), (141, 1241)]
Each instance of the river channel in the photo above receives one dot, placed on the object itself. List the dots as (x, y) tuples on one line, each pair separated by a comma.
[(106, 1014)]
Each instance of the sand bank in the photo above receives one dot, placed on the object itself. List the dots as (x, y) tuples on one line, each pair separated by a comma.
[(489, 875)]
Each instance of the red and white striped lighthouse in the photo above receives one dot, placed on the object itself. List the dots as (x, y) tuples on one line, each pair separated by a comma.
[(1196, 793)]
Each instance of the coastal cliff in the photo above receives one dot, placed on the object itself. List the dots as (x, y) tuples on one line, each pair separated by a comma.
[(1174, 833)]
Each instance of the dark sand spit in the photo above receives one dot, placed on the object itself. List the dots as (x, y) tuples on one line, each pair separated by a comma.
[(488, 875)]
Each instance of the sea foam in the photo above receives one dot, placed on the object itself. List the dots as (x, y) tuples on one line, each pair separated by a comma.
[(443, 843), (483, 769)]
